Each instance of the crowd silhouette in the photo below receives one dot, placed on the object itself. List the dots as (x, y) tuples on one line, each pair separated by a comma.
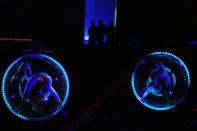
[(102, 36)]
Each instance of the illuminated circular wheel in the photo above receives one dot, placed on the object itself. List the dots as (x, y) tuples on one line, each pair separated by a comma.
[(35, 87), (160, 81)]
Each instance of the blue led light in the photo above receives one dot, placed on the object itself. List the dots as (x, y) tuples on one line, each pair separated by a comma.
[(38, 56), (148, 104)]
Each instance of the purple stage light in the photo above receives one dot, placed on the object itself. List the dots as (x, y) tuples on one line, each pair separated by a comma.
[(170, 92), (139, 98), (56, 78), (13, 96), (46, 99)]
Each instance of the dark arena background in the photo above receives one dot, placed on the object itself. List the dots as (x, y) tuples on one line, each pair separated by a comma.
[(101, 96)]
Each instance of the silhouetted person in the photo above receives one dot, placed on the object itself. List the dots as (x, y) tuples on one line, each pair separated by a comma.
[(111, 34), (101, 31), (92, 34)]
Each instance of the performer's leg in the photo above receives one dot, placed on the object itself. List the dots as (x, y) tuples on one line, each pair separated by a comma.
[(53, 92), (147, 91), (26, 92)]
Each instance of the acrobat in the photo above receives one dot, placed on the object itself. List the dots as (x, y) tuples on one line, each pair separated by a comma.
[(32, 79), (159, 81)]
